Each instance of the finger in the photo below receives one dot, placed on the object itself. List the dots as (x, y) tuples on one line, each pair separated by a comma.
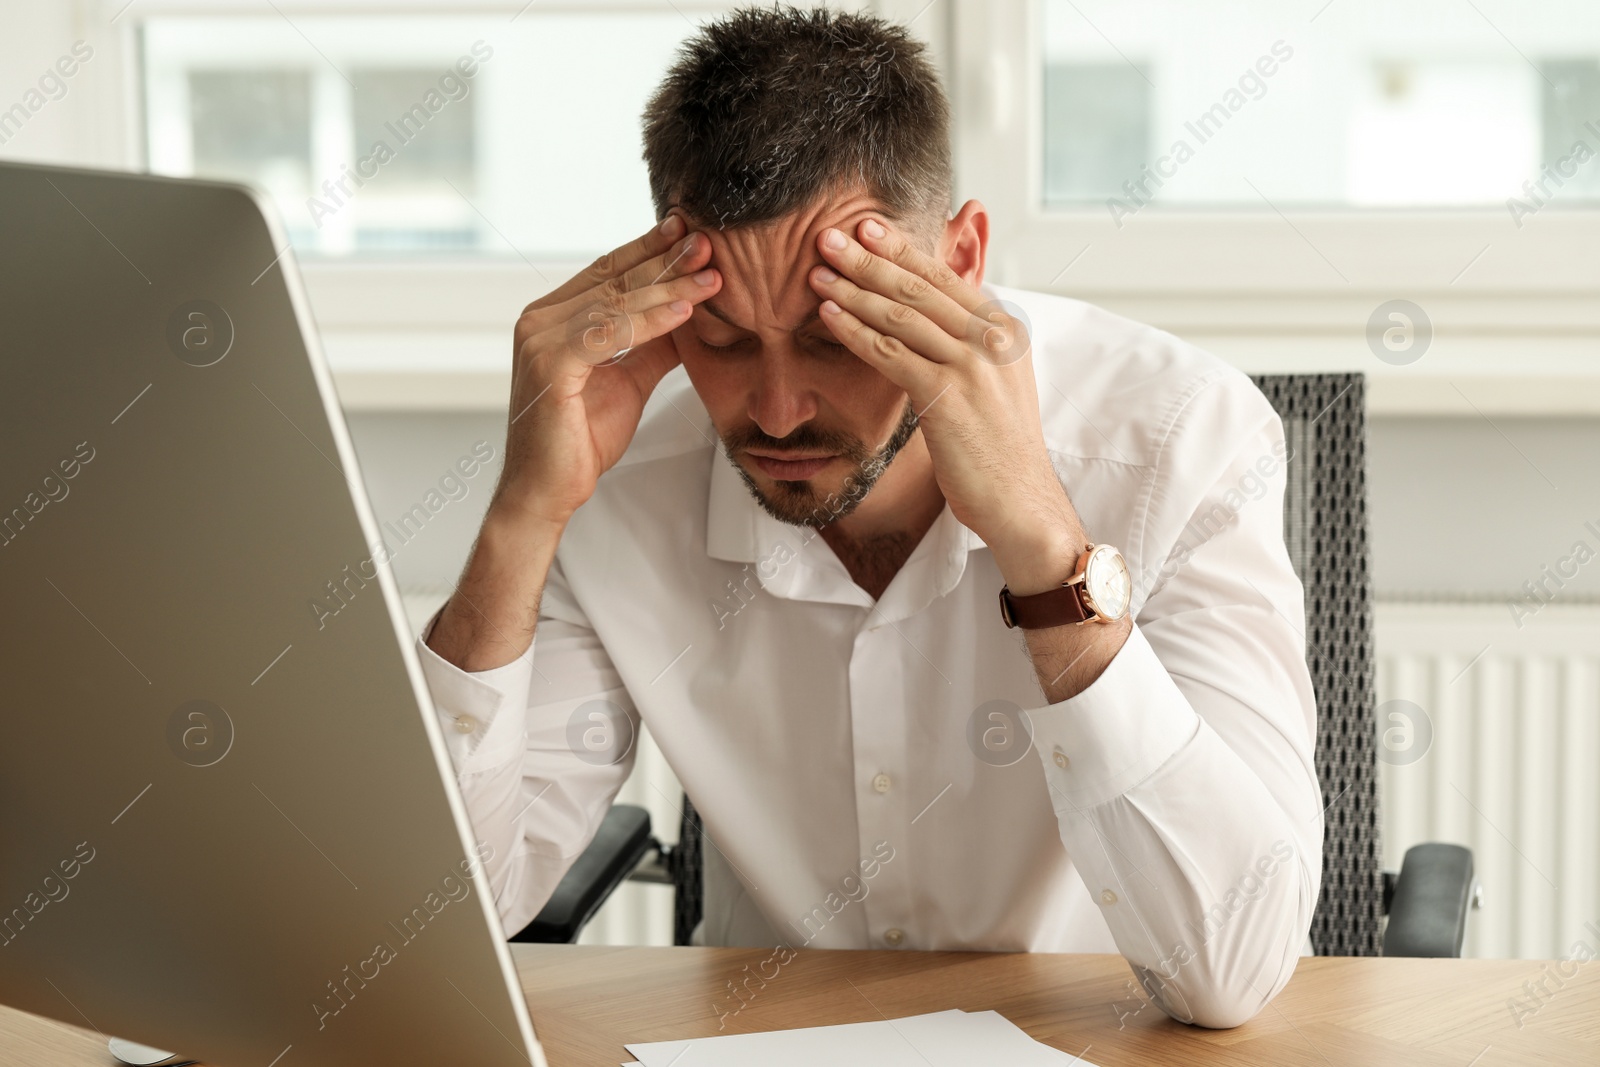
[(600, 337), (680, 258), (886, 316), (870, 271), (890, 356), (606, 329), (694, 288), (997, 331), (884, 240), (618, 261)]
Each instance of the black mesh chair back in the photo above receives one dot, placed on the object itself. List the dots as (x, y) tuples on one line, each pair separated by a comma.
[(688, 875), (1325, 527)]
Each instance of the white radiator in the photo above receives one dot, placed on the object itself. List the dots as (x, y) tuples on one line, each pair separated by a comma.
[(1511, 769)]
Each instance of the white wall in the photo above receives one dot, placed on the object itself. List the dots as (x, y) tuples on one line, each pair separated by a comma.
[(402, 456), (1462, 507)]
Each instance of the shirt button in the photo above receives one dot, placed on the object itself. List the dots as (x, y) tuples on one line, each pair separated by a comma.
[(894, 935), (880, 782), (1061, 760), (465, 724), (1107, 897)]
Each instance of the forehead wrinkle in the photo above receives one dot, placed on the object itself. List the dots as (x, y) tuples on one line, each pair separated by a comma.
[(720, 314), (771, 250)]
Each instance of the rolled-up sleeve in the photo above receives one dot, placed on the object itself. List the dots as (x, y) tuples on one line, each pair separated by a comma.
[(1183, 777), (534, 795)]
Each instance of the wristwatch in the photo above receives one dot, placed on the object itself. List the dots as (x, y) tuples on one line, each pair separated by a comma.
[(1099, 590)]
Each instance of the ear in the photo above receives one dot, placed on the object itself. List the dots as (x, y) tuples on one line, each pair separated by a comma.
[(966, 241)]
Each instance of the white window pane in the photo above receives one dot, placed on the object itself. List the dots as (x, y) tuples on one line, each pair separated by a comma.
[(253, 123), (1096, 128), (564, 173), (388, 105), (1442, 133), (1369, 102), (536, 154)]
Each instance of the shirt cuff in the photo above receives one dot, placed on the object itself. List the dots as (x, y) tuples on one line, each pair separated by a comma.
[(483, 713), (1101, 743)]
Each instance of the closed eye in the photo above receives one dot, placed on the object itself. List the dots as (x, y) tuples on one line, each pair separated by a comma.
[(729, 347), (822, 342)]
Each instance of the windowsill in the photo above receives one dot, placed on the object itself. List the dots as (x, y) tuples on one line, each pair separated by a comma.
[(378, 391), (437, 336)]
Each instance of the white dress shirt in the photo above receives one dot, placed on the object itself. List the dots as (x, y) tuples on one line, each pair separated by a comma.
[(862, 767)]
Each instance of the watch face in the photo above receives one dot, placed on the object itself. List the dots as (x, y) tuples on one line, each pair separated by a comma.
[(1107, 582)]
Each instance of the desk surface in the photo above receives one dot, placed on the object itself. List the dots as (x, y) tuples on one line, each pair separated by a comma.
[(1364, 1012)]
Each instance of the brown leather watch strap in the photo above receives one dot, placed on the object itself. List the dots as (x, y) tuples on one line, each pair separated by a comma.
[(1053, 607)]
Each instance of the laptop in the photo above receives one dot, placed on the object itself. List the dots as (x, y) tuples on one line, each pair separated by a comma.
[(230, 825)]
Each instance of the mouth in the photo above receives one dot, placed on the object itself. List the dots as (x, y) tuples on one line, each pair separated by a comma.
[(792, 467)]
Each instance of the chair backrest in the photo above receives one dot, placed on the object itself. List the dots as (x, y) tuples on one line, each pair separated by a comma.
[(688, 875), (1325, 528)]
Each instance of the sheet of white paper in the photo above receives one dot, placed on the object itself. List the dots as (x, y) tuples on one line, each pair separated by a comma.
[(877, 1044), (1008, 1035), (976, 1034), (941, 1039)]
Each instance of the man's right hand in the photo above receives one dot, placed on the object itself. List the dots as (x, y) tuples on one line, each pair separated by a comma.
[(586, 358)]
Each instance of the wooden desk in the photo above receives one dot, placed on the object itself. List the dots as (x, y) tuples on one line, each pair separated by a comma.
[(1362, 1012)]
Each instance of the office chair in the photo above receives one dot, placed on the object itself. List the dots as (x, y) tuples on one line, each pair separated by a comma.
[(1325, 528)]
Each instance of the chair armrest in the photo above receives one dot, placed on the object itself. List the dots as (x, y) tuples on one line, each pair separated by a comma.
[(1432, 895), (621, 842)]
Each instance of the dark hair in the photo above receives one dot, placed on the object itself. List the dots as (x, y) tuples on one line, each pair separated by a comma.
[(768, 109)]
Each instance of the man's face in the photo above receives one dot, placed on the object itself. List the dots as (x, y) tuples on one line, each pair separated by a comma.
[(778, 384)]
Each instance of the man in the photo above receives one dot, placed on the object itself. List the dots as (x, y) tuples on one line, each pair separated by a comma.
[(786, 559)]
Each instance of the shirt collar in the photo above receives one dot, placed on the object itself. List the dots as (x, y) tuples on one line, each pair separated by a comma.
[(793, 563)]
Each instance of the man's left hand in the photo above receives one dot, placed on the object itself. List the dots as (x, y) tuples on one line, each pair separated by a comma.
[(965, 363)]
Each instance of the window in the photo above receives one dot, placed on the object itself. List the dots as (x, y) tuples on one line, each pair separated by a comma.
[(497, 134), (1356, 103)]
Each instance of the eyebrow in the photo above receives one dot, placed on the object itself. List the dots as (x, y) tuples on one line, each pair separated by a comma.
[(807, 321)]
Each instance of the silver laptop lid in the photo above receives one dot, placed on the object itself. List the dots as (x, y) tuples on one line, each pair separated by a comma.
[(230, 826)]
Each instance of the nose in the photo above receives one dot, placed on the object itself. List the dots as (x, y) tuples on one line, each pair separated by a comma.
[(782, 397)]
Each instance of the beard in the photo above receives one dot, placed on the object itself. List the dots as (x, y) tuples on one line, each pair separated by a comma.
[(800, 503)]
